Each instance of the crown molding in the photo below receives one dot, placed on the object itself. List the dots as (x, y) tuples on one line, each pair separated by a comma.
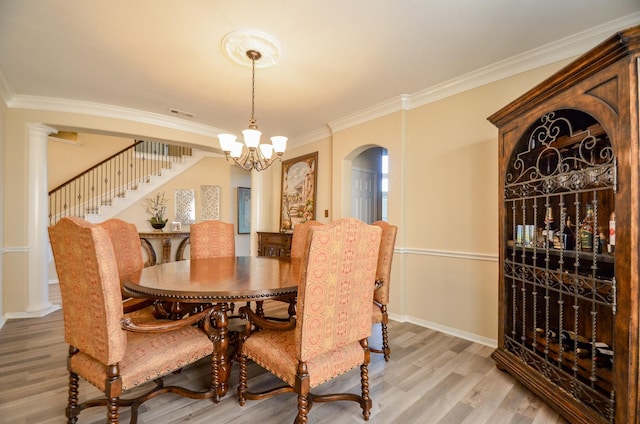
[(376, 111), (111, 111), (550, 53), (562, 49), (312, 136), (5, 91)]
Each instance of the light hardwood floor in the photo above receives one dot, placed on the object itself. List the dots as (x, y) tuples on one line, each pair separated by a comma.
[(431, 378)]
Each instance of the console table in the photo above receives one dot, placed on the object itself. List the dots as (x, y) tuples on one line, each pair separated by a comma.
[(166, 238), (274, 244)]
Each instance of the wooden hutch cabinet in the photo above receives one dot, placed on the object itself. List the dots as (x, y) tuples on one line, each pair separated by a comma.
[(569, 174), (274, 244)]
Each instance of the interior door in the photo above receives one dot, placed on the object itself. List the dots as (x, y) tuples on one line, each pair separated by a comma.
[(364, 192)]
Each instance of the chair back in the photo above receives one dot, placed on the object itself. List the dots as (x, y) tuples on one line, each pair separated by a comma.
[(212, 239), (336, 286), (385, 258), (299, 238), (90, 289), (126, 246)]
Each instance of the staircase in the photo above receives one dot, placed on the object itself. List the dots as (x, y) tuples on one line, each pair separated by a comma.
[(114, 184)]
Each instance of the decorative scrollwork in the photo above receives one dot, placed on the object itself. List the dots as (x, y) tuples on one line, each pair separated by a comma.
[(550, 165)]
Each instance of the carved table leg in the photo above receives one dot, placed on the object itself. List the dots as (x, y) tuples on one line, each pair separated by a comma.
[(166, 250), (222, 367)]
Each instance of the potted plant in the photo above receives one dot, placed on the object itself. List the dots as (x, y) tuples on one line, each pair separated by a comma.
[(157, 206)]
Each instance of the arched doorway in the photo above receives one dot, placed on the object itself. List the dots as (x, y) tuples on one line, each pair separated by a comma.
[(369, 185)]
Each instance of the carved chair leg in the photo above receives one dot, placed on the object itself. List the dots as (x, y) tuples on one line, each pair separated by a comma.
[(112, 410), (242, 382), (72, 405), (385, 342), (364, 380), (113, 384), (303, 409)]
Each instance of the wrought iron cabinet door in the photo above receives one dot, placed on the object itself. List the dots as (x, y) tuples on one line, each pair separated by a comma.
[(568, 155)]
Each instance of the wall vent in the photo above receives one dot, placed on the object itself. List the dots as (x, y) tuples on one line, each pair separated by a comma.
[(181, 113)]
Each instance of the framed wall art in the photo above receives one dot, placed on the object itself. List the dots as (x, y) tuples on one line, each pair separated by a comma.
[(298, 203), (210, 202), (185, 203), (244, 210)]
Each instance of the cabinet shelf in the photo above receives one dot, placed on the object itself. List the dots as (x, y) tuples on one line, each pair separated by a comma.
[(571, 254)]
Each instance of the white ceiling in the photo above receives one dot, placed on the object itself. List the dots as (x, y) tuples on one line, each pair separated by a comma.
[(339, 57)]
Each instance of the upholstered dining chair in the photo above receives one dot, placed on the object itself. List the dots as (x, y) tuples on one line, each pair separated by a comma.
[(299, 237), (212, 239), (328, 337), (383, 275), (128, 252), (298, 240), (106, 349)]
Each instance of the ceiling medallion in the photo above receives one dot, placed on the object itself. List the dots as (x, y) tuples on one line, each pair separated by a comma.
[(236, 44)]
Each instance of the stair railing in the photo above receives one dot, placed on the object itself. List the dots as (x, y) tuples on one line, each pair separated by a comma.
[(113, 177)]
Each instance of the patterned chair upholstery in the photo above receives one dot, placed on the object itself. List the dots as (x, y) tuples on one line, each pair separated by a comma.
[(383, 274), (212, 239), (107, 349), (298, 241), (329, 335), (128, 252), (299, 238)]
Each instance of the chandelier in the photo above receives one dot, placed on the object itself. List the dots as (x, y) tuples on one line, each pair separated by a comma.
[(252, 154)]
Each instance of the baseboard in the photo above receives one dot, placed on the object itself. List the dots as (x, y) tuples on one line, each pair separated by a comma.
[(34, 314), (493, 343)]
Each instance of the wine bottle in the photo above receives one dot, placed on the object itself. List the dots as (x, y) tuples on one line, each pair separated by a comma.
[(586, 230), (551, 334), (603, 355), (571, 340)]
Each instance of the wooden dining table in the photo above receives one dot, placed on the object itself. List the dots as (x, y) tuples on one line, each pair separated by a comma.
[(217, 282)]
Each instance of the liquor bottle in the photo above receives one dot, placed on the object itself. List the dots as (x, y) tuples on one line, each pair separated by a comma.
[(611, 247), (586, 230), (549, 229), (569, 235), (602, 239)]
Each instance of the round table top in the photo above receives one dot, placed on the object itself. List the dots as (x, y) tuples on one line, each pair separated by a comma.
[(247, 278)]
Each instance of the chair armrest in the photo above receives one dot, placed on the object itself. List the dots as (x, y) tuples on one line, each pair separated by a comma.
[(264, 323), (163, 326)]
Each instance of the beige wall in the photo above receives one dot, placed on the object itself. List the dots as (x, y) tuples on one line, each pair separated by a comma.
[(443, 195), (68, 160), (3, 126)]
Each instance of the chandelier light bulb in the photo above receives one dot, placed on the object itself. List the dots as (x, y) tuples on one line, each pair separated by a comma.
[(226, 142), (251, 138), (279, 143)]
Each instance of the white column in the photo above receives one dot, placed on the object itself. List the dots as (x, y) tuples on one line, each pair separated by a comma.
[(257, 181), (38, 222), (257, 208)]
